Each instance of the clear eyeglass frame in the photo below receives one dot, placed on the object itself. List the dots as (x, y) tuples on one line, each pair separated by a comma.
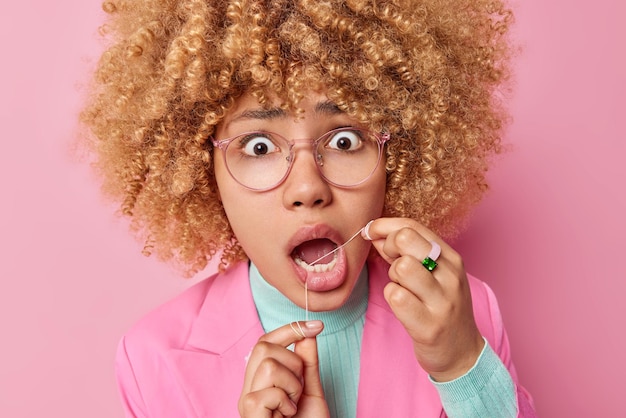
[(224, 144)]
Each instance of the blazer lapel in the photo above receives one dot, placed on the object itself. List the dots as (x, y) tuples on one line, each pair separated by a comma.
[(391, 381), (212, 364)]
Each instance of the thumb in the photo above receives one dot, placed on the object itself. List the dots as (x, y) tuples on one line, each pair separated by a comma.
[(307, 350)]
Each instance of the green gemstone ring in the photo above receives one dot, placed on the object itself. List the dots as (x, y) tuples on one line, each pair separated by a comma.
[(430, 262)]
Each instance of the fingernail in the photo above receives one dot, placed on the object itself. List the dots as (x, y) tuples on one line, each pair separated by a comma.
[(313, 325), (295, 407), (366, 231)]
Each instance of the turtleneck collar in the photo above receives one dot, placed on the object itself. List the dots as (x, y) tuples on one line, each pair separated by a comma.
[(276, 310)]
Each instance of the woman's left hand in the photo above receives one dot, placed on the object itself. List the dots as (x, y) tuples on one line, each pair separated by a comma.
[(434, 307)]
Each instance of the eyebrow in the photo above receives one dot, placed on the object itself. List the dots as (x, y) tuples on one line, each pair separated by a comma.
[(326, 107), (271, 113)]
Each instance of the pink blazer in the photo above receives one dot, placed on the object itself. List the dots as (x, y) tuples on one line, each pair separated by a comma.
[(187, 358)]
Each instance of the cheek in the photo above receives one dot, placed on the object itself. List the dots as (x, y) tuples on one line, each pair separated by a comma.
[(228, 189), (378, 190), (246, 210)]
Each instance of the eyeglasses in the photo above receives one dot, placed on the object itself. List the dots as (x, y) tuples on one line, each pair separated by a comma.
[(260, 160)]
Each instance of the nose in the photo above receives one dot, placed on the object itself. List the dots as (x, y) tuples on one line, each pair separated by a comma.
[(305, 186)]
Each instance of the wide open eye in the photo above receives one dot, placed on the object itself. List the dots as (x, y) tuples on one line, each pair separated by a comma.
[(258, 145), (345, 140)]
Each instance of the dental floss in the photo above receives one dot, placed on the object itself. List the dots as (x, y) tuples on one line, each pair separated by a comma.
[(306, 299), (299, 328), (337, 249), (306, 289)]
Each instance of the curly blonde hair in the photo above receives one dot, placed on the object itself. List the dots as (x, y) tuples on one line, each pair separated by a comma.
[(426, 71)]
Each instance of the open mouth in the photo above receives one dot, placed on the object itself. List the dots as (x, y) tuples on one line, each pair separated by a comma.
[(316, 255)]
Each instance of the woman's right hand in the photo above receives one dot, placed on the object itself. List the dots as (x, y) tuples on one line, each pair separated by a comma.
[(284, 383)]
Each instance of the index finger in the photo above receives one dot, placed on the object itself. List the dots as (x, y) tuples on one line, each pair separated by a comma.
[(394, 237), (293, 332), (380, 228)]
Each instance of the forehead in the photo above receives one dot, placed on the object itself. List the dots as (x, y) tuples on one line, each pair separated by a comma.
[(248, 108)]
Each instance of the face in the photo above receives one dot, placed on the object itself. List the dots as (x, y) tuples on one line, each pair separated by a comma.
[(304, 216)]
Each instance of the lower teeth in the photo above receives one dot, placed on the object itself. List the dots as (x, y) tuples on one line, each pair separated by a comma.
[(316, 268)]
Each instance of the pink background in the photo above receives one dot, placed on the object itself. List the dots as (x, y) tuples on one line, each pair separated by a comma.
[(548, 238)]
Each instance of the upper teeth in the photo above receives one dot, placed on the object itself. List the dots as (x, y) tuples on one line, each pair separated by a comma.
[(316, 268)]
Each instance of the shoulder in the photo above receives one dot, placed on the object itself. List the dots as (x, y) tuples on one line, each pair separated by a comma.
[(170, 353), (169, 323), (144, 351)]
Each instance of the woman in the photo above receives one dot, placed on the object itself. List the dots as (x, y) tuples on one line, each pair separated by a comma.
[(272, 133)]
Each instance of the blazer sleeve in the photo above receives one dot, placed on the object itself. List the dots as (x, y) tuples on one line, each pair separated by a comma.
[(499, 341)]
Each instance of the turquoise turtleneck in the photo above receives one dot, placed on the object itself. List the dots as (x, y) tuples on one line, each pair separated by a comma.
[(339, 345)]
